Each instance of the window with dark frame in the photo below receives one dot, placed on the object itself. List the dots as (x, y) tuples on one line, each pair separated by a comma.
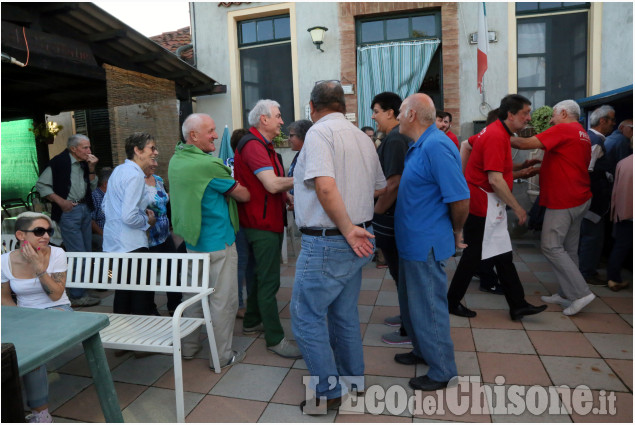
[(265, 64), (552, 53)]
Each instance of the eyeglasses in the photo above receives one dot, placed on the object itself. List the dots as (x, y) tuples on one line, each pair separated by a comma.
[(39, 231)]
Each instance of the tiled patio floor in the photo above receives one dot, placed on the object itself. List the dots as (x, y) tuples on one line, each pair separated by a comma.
[(593, 349)]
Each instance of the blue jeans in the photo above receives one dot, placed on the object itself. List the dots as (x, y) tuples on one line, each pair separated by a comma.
[(590, 249), (75, 226), (36, 383), (423, 302), (324, 315)]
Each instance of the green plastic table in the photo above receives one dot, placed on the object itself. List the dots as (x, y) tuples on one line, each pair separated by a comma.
[(41, 335)]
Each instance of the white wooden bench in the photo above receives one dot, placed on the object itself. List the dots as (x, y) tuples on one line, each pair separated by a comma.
[(156, 334)]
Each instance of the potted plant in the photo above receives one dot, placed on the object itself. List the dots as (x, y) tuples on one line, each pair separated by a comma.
[(540, 121), (45, 132), (281, 140)]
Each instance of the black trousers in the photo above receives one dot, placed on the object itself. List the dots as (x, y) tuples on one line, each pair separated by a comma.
[(384, 230), (134, 302), (470, 260), (174, 298)]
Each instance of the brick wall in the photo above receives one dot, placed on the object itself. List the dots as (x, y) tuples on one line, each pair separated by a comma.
[(347, 14), (140, 102)]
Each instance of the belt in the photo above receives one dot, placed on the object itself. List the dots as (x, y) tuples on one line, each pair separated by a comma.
[(330, 231), (78, 201)]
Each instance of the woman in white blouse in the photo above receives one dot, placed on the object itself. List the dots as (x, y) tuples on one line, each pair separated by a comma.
[(36, 273)]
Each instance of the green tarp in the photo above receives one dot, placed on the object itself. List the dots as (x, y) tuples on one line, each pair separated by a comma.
[(19, 159)]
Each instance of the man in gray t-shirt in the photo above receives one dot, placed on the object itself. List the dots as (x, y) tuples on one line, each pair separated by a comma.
[(336, 179)]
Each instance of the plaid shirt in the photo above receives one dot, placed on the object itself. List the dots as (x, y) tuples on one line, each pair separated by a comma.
[(98, 212)]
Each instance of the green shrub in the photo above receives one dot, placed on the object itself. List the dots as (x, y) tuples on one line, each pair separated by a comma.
[(540, 118)]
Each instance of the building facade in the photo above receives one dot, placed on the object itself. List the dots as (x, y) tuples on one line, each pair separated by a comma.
[(546, 51)]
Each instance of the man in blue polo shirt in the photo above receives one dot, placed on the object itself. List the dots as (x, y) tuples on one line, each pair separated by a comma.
[(432, 205)]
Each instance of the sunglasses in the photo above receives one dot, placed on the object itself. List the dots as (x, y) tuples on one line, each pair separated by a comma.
[(39, 231)]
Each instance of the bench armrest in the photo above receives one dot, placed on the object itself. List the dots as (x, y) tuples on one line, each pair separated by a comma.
[(176, 317)]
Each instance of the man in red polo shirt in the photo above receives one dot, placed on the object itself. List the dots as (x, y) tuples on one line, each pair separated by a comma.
[(565, 192), (257, 167), (489, 175)]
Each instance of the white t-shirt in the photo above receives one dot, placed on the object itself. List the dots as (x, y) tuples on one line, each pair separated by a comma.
[(29, 291)]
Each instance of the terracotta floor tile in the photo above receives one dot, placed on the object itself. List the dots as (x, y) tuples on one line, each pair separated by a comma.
[(284, 294), (603, 323), (380, 312), (623, 369), (388, 285), (519, 369), (494, 319), (288, 270), (226, 409), (85, 406), (551, 343), (462, 338), (620, 305), (286, 312), (623, 410), (374, 273), (258, 354), (367, 297), (197, 377), (292, 390), (380, 361)]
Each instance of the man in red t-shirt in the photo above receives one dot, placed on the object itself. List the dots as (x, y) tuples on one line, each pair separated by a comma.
[(489, 175), (444, 122), (565, 192)]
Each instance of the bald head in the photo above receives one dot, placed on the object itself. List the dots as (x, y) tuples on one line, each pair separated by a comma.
[(416, 114), (200, 130)]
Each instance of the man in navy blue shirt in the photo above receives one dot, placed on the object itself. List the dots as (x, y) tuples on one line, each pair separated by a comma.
[(432, 205)]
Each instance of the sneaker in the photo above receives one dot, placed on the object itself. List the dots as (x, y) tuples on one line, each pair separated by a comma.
[(286, 349), (395, 338), (237, 357), (393, 321), (85, 301), (253, 330), (556, 299), (578, 305), (39, 417)]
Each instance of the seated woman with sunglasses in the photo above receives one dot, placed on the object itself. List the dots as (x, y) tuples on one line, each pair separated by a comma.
[(36, 273)]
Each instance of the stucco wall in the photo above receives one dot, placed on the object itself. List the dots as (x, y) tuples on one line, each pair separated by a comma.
[(495, 79), (617, 45), (212, 52)]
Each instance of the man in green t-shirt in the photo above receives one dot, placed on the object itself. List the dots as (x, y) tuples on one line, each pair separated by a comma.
[(203, 196)]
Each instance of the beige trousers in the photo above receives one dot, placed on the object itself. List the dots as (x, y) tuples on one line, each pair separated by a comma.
[(223, 304)]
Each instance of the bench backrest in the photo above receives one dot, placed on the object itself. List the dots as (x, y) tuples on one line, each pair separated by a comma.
[(138, 271), (9, 243)]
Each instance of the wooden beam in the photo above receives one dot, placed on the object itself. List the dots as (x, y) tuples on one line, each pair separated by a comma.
[(107, 35)]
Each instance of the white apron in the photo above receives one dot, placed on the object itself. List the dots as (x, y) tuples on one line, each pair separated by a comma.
[(496, 239)]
